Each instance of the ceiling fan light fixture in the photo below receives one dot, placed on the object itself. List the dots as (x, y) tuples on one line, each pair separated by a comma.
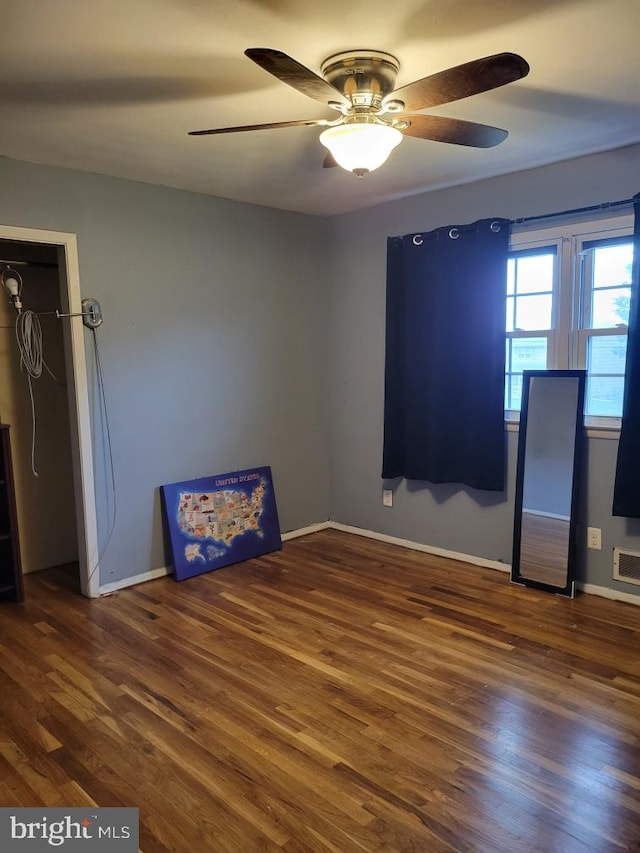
[(360, 147)]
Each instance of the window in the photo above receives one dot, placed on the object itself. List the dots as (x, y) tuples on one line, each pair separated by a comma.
[(530, 312), (567, 306), (606, 274)]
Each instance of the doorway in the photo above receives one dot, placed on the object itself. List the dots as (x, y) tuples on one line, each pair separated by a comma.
[(67, 434)]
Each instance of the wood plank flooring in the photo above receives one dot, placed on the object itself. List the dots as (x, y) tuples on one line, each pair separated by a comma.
[(342, 695)]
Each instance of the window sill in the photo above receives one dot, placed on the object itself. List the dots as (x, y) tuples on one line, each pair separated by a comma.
[(613, 432), (602, 432)]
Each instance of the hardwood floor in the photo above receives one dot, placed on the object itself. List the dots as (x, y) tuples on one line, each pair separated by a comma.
[(341, 695)]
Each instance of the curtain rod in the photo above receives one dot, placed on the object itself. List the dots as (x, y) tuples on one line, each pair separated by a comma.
[(606, 205)]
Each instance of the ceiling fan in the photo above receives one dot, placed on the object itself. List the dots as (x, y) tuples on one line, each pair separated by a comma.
[(373, 115)]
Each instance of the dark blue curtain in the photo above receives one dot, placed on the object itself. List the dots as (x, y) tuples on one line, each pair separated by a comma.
[(445, 355), (626, 492)]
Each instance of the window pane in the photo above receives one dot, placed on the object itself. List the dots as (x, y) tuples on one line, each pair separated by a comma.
[(511, 274), (606, 354), (612, 265), (604, 396), (513, 393), (534, 273), (610, 307), (528, 354), (522, 354), (605, 385), (533, 312)]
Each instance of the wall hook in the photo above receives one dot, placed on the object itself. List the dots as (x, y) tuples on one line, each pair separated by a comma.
[(91, 313)]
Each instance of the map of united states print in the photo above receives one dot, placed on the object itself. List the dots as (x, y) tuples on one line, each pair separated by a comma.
[(216, 521), (219, 516)]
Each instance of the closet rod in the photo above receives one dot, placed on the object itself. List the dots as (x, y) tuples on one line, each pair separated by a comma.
[(29, 264)]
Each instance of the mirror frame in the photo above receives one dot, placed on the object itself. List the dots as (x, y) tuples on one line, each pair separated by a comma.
[(578, 449)]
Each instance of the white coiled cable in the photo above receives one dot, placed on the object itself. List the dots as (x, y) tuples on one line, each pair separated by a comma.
[(29, 339)]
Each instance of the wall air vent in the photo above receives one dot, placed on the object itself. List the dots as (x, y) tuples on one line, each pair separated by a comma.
[(626, 565)]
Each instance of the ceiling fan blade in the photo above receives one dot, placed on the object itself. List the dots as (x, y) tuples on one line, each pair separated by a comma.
[(269, 126), (290, 71), (454, 131), (329, 161), (471, 78)]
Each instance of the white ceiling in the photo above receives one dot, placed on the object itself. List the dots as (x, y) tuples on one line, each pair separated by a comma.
[(113, 86)]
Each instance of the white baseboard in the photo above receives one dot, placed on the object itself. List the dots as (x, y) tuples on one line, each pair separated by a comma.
[(304, 531), (427, 549), (589, 588), (605, 592), (107, 588)]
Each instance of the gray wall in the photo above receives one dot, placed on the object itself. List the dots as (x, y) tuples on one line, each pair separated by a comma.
[(443, 516), (213, 345), (237, 336)]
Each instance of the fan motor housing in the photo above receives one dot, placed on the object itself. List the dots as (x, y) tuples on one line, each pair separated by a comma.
[(365, 77)]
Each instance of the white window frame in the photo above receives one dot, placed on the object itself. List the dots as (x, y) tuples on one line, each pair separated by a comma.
[(567, 340), (556, 311)]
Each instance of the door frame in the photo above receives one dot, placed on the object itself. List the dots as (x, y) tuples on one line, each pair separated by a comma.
[(78, 398)]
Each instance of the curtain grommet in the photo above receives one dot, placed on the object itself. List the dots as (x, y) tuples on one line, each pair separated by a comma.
[(454, 233), (417, 240), (495, 227)]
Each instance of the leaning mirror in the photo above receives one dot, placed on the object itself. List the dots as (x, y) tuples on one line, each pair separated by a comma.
[(547, 479)]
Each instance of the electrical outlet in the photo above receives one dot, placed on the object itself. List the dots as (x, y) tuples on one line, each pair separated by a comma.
[(594, 538), (387, 497)]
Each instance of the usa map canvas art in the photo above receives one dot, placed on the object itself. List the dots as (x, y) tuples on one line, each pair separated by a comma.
[(216, 521)]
